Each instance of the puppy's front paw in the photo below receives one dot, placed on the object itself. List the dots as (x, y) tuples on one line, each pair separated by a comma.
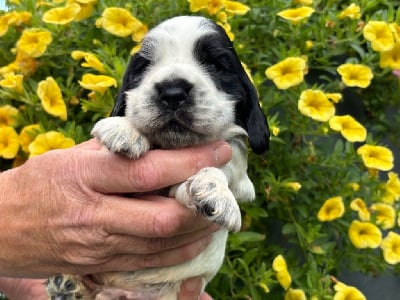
[(209, 193), (119, 136)]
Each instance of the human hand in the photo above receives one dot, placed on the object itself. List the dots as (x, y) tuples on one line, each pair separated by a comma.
[(63, 211), (26, 289)]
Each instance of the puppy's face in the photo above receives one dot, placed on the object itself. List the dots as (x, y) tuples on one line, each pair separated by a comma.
[(186, 85)]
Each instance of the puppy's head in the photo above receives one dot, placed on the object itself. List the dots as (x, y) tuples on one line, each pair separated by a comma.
[(186, 86)]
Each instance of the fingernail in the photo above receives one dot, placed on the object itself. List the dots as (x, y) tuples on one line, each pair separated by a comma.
[(222, 153)]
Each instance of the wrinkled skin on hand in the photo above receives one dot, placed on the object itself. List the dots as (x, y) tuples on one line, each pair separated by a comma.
[(70, 216)]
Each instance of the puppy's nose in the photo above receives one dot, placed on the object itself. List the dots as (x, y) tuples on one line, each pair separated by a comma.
[(173, 94)]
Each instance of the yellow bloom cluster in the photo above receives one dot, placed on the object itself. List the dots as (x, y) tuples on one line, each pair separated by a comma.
[(353, 12), (13, 18), (31, 46), (285, 280), (385, 39), (223, 9)]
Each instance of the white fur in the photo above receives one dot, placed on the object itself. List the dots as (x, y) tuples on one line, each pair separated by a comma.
[(211, 192)]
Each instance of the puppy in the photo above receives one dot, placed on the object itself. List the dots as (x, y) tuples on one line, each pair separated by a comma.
[(185, 87)]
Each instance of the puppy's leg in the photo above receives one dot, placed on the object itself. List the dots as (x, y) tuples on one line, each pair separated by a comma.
[(119, 136), (208, 193)]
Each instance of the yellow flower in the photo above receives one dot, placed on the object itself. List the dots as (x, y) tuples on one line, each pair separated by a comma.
[(135, 49), (295, 294), (139, 34), (33, 42), (352, 11), (392, 188), (386, 215), (284, 279), (282, 274), (86, 8), (98, 83), (295, 186), (214, 6), (333, 208), (391, 58), (9, 142), (4, 24), (62, 15), (279, 264), (27, 135), (196, 5), (309, 44), (350, 129), (12, 81), (359, 206), (364, 235), (227, 29), (118, 21), (355, 75), (51, 98), (91, 60), (315, 104), (396, 31), (345, 292), (236, 8), (376, 157), (295, 15), (49, 141), (264, 287), (287, 73), (275, 130), (26, 65), (354, 186), (13, 18), (380, 35), (391, 248), (334, 97), (8, 116)]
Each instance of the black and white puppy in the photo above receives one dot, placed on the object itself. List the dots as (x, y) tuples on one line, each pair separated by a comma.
[(186, 86)]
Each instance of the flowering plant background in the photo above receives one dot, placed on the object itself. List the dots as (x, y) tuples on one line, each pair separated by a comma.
[(328, 76)]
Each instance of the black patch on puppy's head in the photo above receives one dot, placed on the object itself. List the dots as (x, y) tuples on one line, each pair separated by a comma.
[(216, 54)]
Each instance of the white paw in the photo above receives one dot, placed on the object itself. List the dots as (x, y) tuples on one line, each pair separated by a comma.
[(208, 192), (119, 136)]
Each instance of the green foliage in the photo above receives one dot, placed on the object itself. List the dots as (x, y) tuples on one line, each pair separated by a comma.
[(308, 162)]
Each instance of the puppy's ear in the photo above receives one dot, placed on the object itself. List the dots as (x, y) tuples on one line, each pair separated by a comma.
[(249, 114), (252, 117), (133, 75)]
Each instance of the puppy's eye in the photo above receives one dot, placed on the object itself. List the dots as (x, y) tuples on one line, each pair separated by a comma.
[(224, 62), (138, 66)]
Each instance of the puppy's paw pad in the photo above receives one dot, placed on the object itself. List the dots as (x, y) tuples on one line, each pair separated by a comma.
[(213, 199), (68, 287)]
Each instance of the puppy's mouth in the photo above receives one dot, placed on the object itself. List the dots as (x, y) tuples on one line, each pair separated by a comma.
[(176, 134)]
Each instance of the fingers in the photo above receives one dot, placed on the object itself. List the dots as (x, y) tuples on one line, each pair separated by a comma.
[(111, 173), (158, 217), (129, 262), (125, 244)]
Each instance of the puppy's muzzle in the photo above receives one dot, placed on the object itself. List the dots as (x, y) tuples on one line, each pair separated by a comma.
[(173, 94)]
